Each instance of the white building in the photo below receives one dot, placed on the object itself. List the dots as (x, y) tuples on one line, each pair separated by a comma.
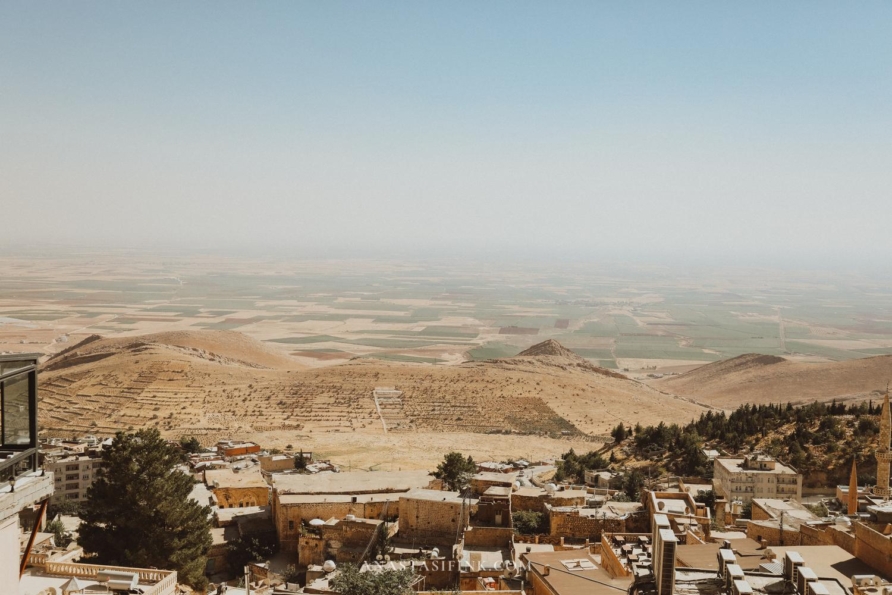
[(756, 476), (73, 476)]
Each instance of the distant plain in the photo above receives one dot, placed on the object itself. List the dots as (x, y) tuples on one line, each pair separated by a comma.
[(640, 320)]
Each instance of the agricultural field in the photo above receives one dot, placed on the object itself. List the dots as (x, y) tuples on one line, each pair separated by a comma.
[(322, 313)]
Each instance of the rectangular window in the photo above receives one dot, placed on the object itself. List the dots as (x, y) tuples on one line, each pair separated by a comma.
[(291, 525), (16, 418), (71, 477), (71, 467), (72, 486)]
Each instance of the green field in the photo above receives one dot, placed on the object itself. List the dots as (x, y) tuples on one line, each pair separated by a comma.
[(614, 313)]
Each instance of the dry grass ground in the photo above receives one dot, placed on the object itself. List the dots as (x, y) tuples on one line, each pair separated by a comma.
[(764, 379)]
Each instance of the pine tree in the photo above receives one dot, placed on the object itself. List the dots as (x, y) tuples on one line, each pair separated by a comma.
[(138, 511), (619, 433), (456, 471)]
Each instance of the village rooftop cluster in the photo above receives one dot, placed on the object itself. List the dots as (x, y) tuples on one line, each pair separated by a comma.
[(590, 539)]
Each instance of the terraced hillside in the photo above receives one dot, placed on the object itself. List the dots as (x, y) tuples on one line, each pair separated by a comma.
[(216, 384)]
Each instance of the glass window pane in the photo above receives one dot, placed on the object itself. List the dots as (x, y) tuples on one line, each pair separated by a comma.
[(16, 365), (16, 423)]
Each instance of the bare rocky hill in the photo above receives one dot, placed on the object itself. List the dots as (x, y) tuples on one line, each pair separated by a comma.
[(754, 378), (548, 348)]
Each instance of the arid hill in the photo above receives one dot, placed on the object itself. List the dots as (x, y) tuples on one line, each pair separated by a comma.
[(754, 378), (548, 348), (217, 346), (221, 384)]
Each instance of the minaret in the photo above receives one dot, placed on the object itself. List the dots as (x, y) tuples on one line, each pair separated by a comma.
[(883, 454), (853, 490)]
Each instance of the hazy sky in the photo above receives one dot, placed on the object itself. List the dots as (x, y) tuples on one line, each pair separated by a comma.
[(737, 130)]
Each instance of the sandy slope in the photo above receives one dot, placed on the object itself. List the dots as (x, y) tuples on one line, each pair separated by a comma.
[(754, 378), (222, 384)]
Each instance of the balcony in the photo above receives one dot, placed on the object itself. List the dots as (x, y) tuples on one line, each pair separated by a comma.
[(18, 415)]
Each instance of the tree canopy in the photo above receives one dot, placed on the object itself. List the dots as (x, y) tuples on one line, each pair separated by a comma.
[(572, 467), (528, 522), (792, 431), (138, 511), (456, 471), (190, 444), (350, 581)]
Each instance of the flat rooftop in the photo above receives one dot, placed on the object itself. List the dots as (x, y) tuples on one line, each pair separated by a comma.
[(433, 496), (530, 492), (677, 503), (704, 556), (735, 465), (576, 572), (227, 478), (830, 561), (790, 508), (35, 581), (505, 478), (611, 510), (357, 482), (698, 582), (485, 558), (339, 498), (498, 492)]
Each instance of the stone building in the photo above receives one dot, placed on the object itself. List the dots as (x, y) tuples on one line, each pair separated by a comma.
[(480, 482), (535, 499), (298, 499), (228, 448), (433, 517), (684, 513), (276, 463), (341, 540), (580, 524), (231, 489), (493, 508), (777, 522)]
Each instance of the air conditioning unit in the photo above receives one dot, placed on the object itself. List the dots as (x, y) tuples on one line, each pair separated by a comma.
[(733, 572), (741, 588), (804, 576), (792, 560), (725, 557), (863, 580), (817, 588)]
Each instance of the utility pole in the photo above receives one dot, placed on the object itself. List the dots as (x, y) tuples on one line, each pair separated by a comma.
[(782, 528)]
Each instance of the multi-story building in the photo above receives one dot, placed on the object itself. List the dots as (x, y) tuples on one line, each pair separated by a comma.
[(73, 476), (755, 476), (22, 485)]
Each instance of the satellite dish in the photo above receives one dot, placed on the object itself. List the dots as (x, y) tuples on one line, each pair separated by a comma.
[(317, 523), (329, 566)]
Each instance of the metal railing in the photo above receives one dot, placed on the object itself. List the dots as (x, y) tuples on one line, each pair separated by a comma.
[(152, 582), (15, 463)]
